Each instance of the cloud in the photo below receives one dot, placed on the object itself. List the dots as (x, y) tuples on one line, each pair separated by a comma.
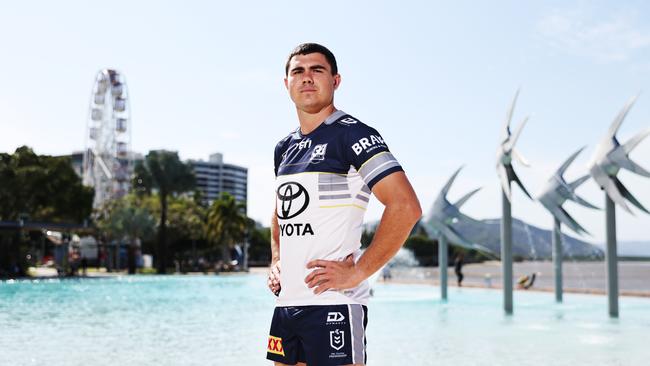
[(610, 40)]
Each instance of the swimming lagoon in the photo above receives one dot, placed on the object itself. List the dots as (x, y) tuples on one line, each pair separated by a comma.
[(224, 320)]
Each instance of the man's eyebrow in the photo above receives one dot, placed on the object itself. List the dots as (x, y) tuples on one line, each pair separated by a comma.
[(313, 67)]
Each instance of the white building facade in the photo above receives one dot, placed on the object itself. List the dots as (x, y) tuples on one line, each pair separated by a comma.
[(214, 177)]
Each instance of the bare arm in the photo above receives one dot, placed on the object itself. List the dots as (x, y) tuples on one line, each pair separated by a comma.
[(274, 271), (402, 210), (275, 239)]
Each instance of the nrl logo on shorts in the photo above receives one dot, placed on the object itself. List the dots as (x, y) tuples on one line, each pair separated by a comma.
[(337, 341)]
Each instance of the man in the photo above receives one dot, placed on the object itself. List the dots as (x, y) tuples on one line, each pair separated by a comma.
[(325, 172), (458, 268)]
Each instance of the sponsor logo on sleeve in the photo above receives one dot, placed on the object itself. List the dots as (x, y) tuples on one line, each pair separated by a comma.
[(275, 346), (368, 144)]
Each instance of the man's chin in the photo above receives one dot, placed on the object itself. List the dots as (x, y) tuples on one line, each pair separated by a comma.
[(313, 108)]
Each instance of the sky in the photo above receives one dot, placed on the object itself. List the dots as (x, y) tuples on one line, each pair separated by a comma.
[(435, 78)]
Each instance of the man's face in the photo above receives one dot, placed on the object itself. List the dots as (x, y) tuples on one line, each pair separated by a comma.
[(310, 82)]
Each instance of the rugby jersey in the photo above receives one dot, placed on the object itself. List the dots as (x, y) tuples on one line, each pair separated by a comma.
[(323, 185)]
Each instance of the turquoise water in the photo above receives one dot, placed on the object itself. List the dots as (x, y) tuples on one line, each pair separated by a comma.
[(223, 320)]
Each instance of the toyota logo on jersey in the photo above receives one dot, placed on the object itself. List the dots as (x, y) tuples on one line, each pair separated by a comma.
[(292, 200)]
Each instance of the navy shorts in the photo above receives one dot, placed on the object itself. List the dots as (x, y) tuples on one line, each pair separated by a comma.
[(318, 335)]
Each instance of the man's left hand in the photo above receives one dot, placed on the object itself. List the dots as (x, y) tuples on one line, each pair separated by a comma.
[(333, 275)]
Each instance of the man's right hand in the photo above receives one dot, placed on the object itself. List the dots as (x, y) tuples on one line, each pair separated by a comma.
[(274, 278)]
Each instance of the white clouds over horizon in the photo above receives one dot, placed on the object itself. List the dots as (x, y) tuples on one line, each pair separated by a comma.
[(616, 37)]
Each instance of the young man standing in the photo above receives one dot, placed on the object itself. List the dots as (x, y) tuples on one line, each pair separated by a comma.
[(325, 173)]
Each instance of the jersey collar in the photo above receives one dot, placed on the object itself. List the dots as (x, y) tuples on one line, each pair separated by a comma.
[(328, 121)]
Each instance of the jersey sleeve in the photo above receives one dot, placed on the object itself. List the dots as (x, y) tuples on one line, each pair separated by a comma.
[(277, 157), (369, 154)]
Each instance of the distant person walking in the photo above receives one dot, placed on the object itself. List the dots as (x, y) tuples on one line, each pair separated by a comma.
[(458, 268), (84, 266)]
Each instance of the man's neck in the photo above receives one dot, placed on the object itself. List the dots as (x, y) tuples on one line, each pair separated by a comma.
[(310, 121)]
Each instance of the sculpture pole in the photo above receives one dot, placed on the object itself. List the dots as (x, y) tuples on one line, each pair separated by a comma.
[(505, 154), (557, 258), (611, 157), (506, 253), (442, 265), (555, 193), (442, 224), (611, 257)]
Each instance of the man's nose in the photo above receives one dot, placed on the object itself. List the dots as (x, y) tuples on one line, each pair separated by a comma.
[(307, 78)]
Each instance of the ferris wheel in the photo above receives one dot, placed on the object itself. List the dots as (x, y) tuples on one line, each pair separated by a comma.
[(108, 161)]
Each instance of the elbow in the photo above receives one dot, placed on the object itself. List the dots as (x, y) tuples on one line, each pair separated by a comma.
[(413, 211), (417, 212)]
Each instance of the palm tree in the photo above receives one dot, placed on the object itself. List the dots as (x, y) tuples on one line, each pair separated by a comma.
[(226, 224), (163, 171)]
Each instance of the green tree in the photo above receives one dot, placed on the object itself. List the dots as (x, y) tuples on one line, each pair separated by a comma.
[(226, 224), (37, 188), (121, 220), (366, 238), (164, 172), (186, 221), (41, 187), (424, 249), (186, 218), (259, 251)]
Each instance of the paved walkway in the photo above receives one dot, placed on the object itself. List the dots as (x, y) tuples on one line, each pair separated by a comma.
[(582, 277), (586, 277)]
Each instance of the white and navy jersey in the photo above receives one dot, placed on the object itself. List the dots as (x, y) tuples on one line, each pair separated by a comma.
[(323, 185)]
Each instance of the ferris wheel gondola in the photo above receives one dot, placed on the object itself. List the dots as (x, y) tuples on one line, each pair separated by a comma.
[(108, 162)]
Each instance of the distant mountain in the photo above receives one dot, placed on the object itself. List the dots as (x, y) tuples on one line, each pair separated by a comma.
[(638, 249), (528, 241)]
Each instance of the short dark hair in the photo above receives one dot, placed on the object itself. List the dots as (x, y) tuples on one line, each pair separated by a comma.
[(307, 48)]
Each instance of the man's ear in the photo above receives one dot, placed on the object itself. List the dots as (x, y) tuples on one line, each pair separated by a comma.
[(286, 83), (337, 81)]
